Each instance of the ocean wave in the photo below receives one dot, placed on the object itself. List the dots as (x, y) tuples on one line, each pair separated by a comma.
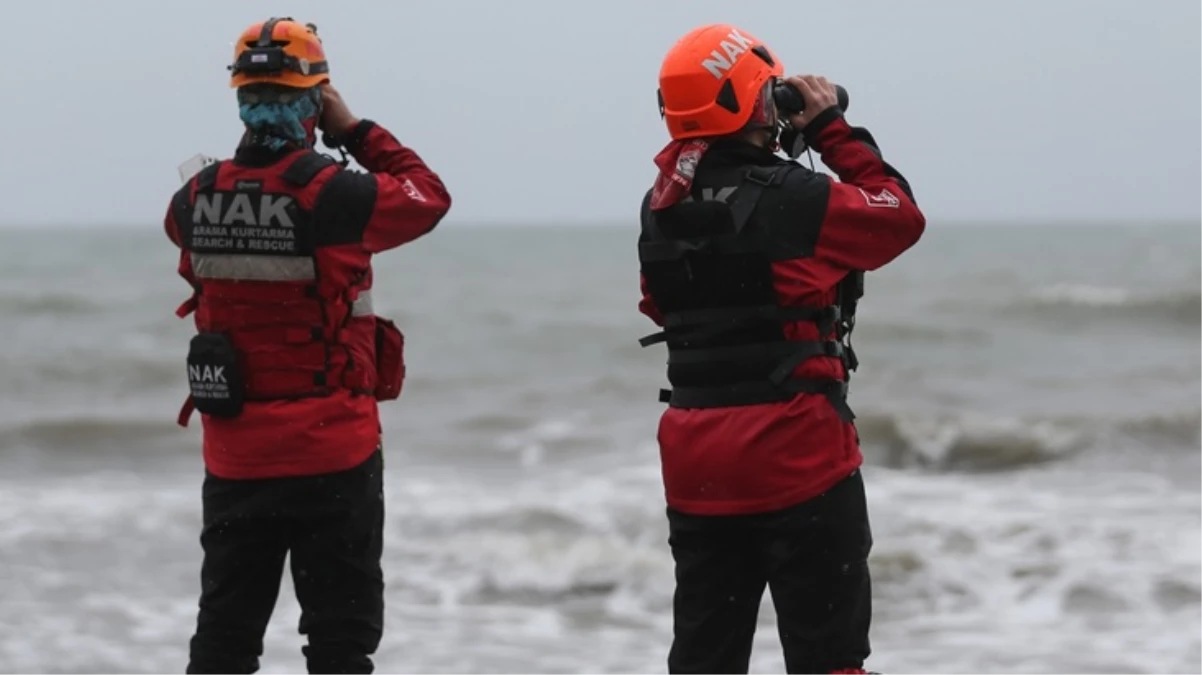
[(965, 442), (951, 442), (1184, 427), (119, 372), (23, 303), (90, 433), (970, 442), (905, 332), (983, 559), (1087, 301)]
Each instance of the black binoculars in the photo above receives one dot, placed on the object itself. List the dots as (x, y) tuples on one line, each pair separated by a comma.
[(789, 100)]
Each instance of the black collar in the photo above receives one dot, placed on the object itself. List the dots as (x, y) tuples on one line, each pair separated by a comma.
[(260, 156), (734, 152)]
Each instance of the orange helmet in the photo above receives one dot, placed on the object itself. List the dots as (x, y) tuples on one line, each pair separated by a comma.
[(279, 51), (710, 80)]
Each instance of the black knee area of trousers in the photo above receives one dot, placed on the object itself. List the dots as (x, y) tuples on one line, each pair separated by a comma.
[(813, 559), (332, 528)]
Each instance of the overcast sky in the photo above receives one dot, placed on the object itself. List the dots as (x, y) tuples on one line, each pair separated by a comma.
[(544, 110)]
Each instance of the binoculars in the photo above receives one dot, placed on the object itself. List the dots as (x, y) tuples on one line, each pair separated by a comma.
[(789, 100)]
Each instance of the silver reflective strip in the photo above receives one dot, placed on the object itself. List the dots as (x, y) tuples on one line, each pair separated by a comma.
[(252, 267), (362, 304)]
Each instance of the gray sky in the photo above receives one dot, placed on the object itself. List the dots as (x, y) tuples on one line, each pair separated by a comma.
[(544, 110)]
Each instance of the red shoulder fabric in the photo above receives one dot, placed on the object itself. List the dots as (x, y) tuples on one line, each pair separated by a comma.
[(410, 198), (871, 215)]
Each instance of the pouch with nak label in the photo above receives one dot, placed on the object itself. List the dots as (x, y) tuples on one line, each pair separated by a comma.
[(214, 376)]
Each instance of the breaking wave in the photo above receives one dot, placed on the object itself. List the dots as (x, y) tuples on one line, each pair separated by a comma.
[(57, 303), (979, 443), (1085, 301), (965, 442)]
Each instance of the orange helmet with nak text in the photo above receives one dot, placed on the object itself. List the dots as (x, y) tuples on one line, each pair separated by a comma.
[(710, 81), (279, 51)]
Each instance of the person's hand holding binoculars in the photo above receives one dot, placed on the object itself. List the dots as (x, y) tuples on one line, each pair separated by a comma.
[(819, 95), (336, 118)]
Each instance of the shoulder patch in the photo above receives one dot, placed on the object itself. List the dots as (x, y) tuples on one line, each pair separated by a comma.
[(882, 200)]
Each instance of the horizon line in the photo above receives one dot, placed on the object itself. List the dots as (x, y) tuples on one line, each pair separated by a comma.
[(544, 223)]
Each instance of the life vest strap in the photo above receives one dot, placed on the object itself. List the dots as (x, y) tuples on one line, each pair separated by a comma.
[(711, 322), (185, 412), (188, 306), (690, 317), (794, 351), (747, 197), (675, 249), (754, 393)]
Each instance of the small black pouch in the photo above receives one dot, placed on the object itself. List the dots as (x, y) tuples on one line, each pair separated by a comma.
[(214, 376)]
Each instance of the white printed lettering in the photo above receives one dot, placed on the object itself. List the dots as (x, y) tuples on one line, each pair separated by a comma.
[(742, 40), (207, 373), (732, 50), (733, 47), (274, 208), (241, 211), (723, 194), (208, 209), (717, 66)]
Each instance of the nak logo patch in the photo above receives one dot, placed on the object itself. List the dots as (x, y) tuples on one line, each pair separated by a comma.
[(241, 208), (709, 194), (411, 190), (882, 200), (206, 373)]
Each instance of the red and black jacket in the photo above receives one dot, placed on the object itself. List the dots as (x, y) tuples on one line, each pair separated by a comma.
[(722, 270), (277, 246)]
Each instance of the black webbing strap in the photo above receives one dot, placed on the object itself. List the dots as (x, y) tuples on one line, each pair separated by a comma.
[(207, 178), (747, 197), (750, 190), (753, 393), (690, 317), (789, 350), (811, 349), (719, 319), (301, 172), (268, 28), (675, 249)]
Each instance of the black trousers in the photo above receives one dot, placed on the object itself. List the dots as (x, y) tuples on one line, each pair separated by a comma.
[(333, 527), (814, 559)]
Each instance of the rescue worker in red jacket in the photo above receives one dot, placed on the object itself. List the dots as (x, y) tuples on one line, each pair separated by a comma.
[(753, 265), (289, 359)]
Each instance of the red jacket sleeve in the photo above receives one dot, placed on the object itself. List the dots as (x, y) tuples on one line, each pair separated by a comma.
[(871, 216), (410, 199)]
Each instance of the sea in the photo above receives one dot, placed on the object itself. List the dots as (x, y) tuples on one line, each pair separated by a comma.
[(1028, 400)]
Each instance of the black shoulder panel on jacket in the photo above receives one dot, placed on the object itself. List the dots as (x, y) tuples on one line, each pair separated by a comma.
[(181, 211), (302, 171), (795, 210), (344, 207)]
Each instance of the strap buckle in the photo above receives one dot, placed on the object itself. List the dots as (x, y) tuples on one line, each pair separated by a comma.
[(761, 175)]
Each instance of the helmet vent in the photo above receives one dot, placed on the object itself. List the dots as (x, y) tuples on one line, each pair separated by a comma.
[(727, 98), (762, 52)]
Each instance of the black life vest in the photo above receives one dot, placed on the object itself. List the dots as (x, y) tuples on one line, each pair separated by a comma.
[(708, 268)]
